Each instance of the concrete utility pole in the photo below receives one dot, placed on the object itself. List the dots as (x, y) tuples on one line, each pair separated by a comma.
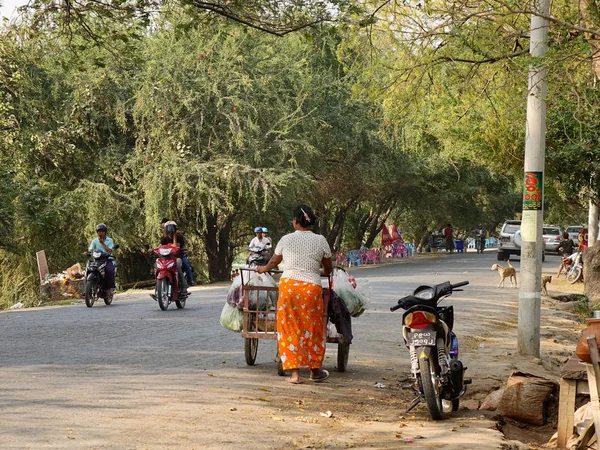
[(532, 247), (592, 223)]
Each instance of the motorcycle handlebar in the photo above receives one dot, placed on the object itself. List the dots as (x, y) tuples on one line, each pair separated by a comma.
[(457, 285), (394, 308)]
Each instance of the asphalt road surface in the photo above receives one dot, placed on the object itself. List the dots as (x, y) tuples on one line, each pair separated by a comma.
[(132, 376)]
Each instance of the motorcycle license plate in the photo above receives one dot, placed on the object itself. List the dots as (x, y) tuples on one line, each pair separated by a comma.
[(421, 338)]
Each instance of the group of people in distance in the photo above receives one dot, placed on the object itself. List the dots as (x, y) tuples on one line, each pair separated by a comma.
[(567, 249), (480, 233)]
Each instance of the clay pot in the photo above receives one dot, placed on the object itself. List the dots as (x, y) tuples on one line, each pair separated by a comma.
[(582, 350)]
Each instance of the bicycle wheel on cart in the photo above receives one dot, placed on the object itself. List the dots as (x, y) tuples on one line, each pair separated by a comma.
[(250, 344), (342, 356)]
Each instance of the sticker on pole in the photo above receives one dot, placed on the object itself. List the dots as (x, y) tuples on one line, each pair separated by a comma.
[(533, 186)]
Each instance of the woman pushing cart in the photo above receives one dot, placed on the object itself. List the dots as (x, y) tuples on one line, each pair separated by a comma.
[(259, 305), (301, 315)]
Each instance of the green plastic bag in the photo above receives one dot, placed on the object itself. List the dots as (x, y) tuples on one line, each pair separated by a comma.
[(232, 318)]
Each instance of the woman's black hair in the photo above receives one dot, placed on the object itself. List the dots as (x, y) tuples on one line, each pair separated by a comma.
[(304, 216)]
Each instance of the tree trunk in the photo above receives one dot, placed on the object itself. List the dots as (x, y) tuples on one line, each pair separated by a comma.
[(376, 225), (335, 235), (218, 251), (591, 273), (424, 239)]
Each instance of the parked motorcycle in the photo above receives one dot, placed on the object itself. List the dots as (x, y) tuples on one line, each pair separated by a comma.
[(168, 285), (95, 281), (436, 370), (575, 271)]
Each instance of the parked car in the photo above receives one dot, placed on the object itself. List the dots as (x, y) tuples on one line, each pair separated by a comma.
[(573, 231), (552, 237), (509, 240)]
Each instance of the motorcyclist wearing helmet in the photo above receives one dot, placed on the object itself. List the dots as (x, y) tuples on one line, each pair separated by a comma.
[(259, 245), (172, 237), (266, 238), (104, 244)]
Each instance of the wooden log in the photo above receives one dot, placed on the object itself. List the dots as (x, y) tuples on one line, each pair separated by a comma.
[(145, 283)]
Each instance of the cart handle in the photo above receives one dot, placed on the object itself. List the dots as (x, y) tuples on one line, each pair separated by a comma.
[(252, 269)]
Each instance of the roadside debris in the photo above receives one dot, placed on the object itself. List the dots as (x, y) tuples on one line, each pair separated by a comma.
[(66, 284)]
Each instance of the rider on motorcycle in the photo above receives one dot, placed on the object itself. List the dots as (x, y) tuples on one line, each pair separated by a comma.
[(260, 245), (480, 234), (175, 239), (104, 245), (187, 267)]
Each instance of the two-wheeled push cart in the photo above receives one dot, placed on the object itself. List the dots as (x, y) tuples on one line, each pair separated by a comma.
[(260, 320)]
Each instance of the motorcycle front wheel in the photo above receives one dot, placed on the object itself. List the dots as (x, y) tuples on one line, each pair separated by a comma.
[(162, 293), (108, 297), (430, 389), (91, 292), (573, 276)]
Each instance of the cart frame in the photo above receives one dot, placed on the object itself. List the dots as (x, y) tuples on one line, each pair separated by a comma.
[(261, 322)]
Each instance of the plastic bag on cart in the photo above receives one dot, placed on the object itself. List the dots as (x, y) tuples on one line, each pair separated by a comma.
[(232, 318), (262, 280), (355, 299), (234, 296), (332, 331)]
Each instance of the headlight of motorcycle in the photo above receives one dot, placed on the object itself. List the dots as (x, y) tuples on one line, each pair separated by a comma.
[(426, 294)]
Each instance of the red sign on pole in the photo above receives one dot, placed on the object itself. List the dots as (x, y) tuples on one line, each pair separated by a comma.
[(386, 238)]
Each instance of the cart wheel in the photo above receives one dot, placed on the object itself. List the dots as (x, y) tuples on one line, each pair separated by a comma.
[(343, 352), (250, 350)]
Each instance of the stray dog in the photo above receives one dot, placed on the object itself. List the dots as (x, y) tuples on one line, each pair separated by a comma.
[(506, 272), (545, 280)]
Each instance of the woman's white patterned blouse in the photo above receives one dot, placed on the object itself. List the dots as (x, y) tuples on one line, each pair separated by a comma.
[(302, 252)]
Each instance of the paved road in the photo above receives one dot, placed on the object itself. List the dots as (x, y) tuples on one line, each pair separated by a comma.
[(132, 376)]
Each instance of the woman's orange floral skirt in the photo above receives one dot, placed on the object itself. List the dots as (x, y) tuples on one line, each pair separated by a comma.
[(300, 337)]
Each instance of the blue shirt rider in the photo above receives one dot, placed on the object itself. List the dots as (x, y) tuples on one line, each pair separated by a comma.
[(105, 245)]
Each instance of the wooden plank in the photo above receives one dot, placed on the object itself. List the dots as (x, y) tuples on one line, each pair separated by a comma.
[(595, 357), (594, 379), (42, 263), (586, 437), (566, 410)]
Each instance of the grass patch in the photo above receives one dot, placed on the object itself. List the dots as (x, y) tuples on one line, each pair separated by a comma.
[(18, 280)]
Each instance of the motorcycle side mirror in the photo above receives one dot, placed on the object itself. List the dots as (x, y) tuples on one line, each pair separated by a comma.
[(147, 246), (115, 247), (81, 244)]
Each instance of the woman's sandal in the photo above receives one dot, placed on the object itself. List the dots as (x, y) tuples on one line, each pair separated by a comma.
[(290, 380), (323, 377)]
